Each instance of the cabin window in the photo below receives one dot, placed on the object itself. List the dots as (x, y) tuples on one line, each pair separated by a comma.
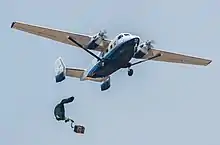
[(126, 34), (119, 37)]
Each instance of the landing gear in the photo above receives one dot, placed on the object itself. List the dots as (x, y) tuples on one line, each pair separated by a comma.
[(130, 72)]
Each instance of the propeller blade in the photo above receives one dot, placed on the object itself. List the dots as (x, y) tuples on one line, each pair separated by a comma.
[(103, 33), (152, 41)]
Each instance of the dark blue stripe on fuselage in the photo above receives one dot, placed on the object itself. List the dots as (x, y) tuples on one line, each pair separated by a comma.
[(116, 59)]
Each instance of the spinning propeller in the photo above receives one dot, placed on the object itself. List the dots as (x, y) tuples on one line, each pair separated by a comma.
[(103, 33), (149, 43)]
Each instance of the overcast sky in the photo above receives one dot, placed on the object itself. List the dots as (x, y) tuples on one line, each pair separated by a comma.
[(161, 104)]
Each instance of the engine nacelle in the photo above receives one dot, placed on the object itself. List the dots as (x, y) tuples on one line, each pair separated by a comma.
[(142, 50), (96, 40), (105, 85)]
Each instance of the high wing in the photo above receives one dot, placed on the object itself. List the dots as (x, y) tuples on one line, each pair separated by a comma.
[(57, 35), (176, 58)]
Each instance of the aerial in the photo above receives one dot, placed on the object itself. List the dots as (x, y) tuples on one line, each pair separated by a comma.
[(114, 54), (162, 103)]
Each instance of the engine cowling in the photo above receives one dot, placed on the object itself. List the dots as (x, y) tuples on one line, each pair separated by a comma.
[(96, 40), (142, 50)]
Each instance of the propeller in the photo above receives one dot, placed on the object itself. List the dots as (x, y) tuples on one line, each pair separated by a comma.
[(150, 43), (103, 33)]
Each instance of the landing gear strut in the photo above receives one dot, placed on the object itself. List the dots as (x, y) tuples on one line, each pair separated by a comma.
[(130, 72)]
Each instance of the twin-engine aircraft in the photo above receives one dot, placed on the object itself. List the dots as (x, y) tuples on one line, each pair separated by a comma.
[(113, 54)]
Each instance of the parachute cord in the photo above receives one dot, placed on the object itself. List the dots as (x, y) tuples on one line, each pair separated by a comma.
[(72, 122)]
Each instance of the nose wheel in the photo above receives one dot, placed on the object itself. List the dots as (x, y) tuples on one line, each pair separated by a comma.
[(130, 72)]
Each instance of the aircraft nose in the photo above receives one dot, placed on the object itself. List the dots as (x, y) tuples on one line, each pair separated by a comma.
[(136, 39)]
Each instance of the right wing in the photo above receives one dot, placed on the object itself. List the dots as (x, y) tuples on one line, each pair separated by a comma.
[(62, 71), (57, 35), (172, 57)]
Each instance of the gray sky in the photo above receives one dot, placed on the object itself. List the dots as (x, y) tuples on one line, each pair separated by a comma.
[(162, 103)]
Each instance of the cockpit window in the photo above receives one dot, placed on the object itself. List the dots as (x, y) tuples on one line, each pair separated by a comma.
[(126, 34), (120, 36)]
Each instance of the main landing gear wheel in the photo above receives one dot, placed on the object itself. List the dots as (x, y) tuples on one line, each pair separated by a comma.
[(130, 72)]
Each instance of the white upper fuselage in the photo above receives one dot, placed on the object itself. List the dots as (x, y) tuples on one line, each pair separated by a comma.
[(119, 39)]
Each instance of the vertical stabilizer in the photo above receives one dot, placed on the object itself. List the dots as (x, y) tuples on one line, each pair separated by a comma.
[(60, 70)]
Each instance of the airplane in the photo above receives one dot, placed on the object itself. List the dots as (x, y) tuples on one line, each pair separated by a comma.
[(114, 54)]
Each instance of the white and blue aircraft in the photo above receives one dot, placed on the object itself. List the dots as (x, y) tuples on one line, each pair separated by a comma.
[(113, 54)]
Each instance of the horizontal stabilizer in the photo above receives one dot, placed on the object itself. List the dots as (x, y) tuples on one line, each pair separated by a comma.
[(78, 73), (62, 71)]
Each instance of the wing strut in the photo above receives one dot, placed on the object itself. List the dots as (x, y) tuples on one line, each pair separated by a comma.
[(155, 56), (74, 41)]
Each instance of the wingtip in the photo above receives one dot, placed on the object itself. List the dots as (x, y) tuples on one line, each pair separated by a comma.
[(210, 61), (12, 24)]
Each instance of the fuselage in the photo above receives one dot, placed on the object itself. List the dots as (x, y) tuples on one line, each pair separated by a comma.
[(120, 51)]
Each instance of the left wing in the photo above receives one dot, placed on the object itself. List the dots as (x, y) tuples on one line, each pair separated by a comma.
[(57, 35), (176, 58)]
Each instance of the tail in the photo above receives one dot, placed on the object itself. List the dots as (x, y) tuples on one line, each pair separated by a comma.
[(60, 70)]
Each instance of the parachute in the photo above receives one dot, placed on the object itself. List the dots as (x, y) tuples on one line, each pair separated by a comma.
[(59, 113)]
